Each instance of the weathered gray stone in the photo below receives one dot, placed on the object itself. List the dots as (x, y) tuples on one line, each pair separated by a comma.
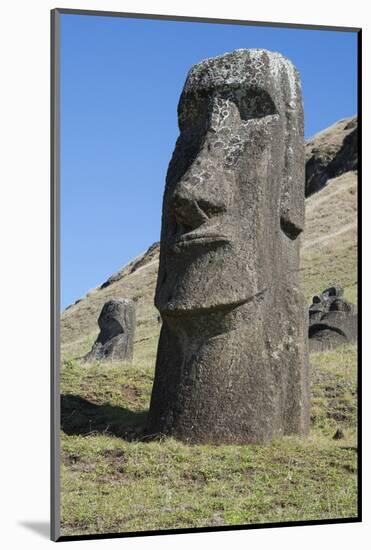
[(232, 362), (332, 320), (116, 338)]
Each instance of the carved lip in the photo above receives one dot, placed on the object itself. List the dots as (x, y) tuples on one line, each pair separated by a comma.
[(200, 238)]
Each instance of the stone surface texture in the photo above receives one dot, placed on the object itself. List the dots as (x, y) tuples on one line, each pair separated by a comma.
[(116, 338), (332, 320), (232, 361)]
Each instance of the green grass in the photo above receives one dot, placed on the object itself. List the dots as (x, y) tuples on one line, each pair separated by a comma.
[(327, 266), (113, 482), (334, 390), (111, 485)]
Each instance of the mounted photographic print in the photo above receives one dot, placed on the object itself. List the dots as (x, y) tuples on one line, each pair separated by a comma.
[(205, 270)]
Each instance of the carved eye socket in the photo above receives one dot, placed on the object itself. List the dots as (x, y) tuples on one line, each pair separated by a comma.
[(193, 111), (255, 103), (252, 103)]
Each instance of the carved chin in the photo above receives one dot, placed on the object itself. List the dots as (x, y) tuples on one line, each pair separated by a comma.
[(205, 278), (179, 302)]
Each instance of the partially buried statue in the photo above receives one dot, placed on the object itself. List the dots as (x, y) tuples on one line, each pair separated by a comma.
[(232, 361), (332, 320), (115, 340)]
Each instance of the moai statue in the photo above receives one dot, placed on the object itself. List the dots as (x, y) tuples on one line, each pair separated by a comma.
[(232, 361), (115, 341), (332, 320)]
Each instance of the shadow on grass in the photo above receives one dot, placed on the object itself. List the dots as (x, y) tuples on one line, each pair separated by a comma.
[(80, 417)]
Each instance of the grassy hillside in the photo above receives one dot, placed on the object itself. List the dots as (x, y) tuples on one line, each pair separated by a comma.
[(329, 248), (112, 481)]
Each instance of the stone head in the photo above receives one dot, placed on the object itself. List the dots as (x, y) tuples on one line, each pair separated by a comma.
[(234, 198), (115, 318)]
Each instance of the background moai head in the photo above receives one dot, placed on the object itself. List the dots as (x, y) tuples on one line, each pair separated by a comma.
[(117, 327), (234, 198), (332, 319), (331, 299), (115, 318)]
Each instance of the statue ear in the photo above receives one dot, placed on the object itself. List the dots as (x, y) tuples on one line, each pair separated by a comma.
[(290, 228), (292, 207)]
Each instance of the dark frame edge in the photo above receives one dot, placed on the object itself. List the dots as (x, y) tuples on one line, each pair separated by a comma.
[(359, 270), (186, 531), (194, 19), (54, 273)]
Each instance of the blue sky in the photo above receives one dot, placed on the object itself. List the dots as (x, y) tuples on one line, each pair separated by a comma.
[(120, 84)]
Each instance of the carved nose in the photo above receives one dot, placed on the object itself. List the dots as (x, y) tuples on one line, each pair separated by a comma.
[(187, 210), (198, 195), (195, 203)]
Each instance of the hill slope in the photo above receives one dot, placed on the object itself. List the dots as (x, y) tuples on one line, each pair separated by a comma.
[(331, 153)]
